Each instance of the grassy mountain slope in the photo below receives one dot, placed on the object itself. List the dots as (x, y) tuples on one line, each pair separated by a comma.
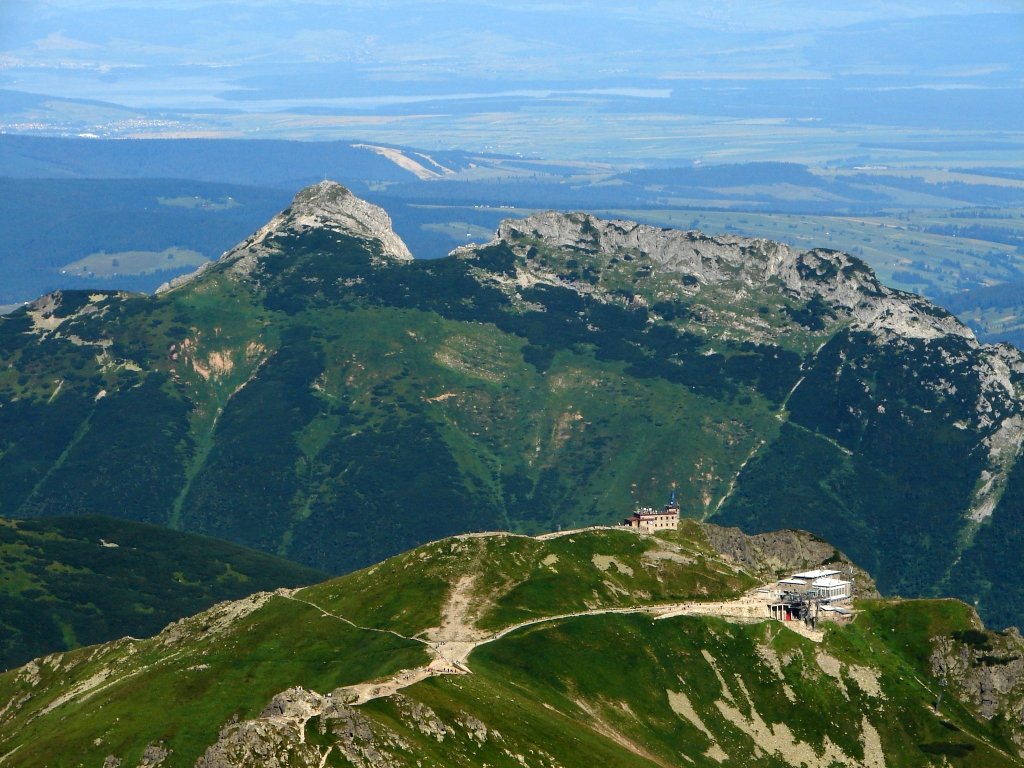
[(67, 582), (317, 394), (314, 677)]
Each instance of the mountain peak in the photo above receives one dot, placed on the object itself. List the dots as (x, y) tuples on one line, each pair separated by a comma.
[(324, 206), (330, 205)]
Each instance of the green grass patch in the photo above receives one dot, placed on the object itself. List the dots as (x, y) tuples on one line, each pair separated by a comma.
[(182, 699)]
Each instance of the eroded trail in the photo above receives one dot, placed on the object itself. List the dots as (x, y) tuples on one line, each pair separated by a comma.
[(458, 635)]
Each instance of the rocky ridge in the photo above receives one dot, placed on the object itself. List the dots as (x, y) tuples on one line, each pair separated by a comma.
[(844, 281)]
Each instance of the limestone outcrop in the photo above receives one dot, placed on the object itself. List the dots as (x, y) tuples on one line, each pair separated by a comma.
[(842, 280), (987, 669), (779, 553), (328, 207)]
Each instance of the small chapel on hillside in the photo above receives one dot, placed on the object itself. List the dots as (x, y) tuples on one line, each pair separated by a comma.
[(648, 519)]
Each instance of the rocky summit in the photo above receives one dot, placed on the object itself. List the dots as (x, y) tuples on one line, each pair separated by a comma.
[(317, 394), (326, 206)]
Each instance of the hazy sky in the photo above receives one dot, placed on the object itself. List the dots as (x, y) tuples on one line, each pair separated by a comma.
[(67, 45)]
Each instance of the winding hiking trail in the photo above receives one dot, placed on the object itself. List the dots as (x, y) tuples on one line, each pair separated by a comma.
[(457, 637)]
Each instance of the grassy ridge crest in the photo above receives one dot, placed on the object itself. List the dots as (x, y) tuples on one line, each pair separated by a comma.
[(273, 674)]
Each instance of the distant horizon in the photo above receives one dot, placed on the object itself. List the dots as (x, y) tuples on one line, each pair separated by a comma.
[(547, 79)]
